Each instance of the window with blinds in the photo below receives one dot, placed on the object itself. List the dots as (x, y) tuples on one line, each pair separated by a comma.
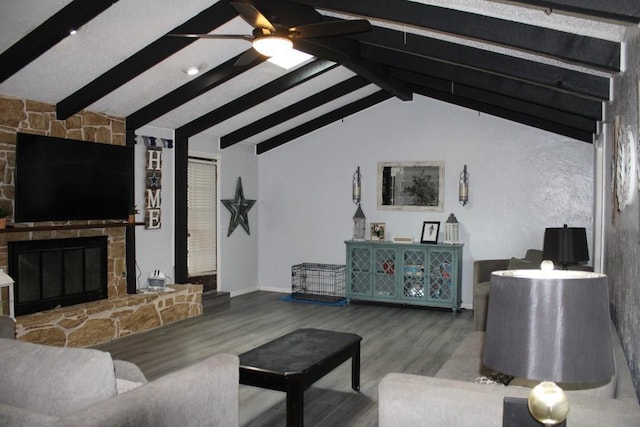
[(201, 217)]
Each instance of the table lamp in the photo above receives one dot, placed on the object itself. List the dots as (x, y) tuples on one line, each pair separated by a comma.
[(551, 326), (565, 245)]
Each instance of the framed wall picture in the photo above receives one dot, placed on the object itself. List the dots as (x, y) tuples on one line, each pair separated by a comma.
[(377, 230), (430, 230), (412, 186)]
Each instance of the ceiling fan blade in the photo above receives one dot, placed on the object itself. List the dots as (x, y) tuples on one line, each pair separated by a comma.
[(249, 13), (331, 28), (247, 58), (214, 36)]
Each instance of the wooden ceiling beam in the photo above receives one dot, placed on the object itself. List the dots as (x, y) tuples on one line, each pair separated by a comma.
[(346, 52), (274, 119), (185, 93), (206, 21), (617, 10), (322, 121), (554, 127), (478, 59), (501, 101), (565, 46), (256, 96), (71, 17), (514, 88)]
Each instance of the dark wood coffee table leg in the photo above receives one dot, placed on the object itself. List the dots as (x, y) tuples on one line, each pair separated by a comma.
[(355, 369), (295, 402)]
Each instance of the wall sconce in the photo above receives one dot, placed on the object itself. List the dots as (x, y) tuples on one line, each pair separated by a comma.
[(356, 187), (359, 220), (463, 189)]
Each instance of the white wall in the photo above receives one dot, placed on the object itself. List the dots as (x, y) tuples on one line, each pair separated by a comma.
[(154, 247), (238, 268), (521, 181), (238, 261)]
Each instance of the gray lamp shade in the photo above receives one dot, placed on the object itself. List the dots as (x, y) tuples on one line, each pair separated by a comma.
[(549, 325)]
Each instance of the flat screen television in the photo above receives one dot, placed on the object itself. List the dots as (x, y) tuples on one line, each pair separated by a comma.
[(59, 179)]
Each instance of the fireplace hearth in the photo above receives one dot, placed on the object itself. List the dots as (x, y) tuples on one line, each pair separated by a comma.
[(57, 272)]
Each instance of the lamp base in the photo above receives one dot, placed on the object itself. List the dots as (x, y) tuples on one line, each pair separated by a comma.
[(515, 413)]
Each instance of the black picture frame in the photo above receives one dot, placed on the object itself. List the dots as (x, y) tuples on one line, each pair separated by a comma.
[(430, 231)]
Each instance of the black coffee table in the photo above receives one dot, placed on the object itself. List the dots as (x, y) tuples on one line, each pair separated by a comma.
[(294, 361)]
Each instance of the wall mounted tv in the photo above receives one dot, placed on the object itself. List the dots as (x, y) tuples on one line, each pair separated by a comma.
[(60, 179)]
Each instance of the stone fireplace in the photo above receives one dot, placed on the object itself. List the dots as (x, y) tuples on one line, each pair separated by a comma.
[(93, 322)]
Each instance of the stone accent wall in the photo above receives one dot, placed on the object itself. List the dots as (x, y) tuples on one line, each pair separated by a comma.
[(20, 115), (96, 322)]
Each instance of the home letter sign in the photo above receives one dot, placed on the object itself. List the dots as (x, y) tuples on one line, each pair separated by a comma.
[(153, 187)]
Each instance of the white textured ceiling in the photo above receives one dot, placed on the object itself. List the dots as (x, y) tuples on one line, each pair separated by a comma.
[(129, 25)]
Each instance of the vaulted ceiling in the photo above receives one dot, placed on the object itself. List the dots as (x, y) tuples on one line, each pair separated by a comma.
[(546, 64)]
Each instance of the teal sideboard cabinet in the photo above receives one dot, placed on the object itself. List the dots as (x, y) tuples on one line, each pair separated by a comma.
[(404, 273)]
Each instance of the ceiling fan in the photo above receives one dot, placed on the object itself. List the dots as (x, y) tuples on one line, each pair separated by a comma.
[(270, 38)]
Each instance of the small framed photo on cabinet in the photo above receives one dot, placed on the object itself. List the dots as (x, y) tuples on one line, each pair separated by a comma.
[(430, 230), (377, 230)]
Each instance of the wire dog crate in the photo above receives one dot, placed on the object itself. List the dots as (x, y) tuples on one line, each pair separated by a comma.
[(317, 282)]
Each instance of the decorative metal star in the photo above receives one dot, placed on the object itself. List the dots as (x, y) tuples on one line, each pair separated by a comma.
[(154, 180), (239, 208)]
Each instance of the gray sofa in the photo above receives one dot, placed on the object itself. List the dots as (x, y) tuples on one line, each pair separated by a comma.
[(52, 386), (454, 398)]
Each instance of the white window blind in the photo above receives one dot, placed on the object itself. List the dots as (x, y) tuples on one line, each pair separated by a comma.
[(201, 217)]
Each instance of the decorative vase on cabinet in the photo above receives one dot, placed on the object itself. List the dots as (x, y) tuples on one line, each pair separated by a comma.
[(415, 274)]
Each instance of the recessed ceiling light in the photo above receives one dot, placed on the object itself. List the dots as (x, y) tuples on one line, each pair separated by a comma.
[(73, 32), (192, 71)]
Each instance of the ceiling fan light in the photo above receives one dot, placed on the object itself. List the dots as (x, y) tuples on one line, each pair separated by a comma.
[(272, 45), (290, 59)]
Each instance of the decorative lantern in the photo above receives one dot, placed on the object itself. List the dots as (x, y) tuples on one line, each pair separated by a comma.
[(451, 231), (359, 224)]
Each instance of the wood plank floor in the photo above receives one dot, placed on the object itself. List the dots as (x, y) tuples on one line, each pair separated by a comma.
[(395, 339)]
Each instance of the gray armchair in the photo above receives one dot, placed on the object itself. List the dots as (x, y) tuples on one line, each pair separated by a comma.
[(481, 279), (46, 386)]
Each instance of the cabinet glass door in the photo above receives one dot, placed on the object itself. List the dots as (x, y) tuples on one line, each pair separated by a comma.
[(441, 276), (384, 277), (360, 274), (413, 275)]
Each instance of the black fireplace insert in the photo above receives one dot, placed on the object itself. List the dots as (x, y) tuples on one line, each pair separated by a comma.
[(57, 272)]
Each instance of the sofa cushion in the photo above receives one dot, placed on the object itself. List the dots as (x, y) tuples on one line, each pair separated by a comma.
[(54, 380), (481, 289), (534, 256), (522, 264)]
